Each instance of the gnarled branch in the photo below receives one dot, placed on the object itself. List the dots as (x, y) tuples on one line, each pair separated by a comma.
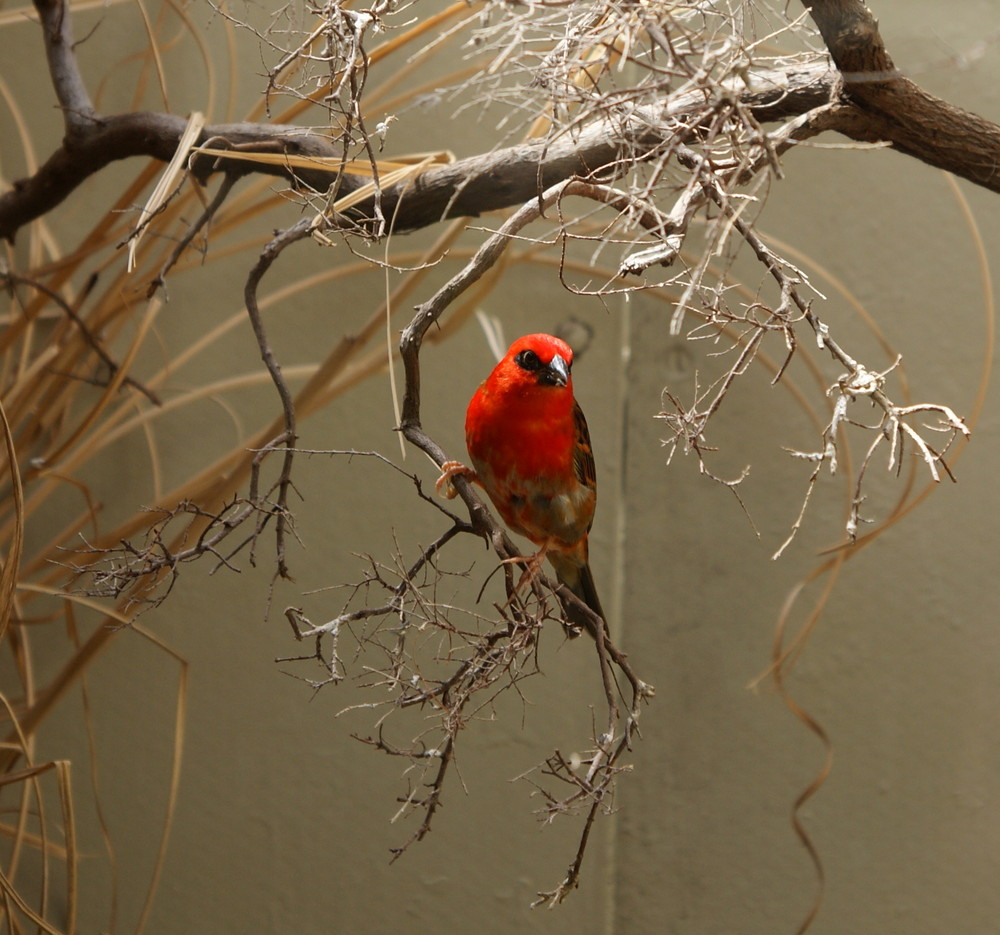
[(890, 107)]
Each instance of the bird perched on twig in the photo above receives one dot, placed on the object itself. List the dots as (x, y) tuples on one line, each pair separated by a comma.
[(530, 450)]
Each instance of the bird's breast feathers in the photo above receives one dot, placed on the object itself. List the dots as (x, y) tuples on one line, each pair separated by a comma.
[(542, 505)]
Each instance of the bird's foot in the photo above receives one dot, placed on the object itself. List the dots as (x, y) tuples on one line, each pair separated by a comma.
[(450, 469), (532, 566)]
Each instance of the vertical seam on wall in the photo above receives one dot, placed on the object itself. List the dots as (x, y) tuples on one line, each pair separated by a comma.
[(618, 571)]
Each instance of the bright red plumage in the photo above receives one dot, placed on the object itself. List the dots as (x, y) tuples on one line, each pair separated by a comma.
[(530, 449)]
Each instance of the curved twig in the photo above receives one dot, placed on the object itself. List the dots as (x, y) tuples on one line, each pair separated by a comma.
[(287, 438)]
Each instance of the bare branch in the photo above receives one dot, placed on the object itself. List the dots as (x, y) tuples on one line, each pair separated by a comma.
[(57, 31), (287, 438)]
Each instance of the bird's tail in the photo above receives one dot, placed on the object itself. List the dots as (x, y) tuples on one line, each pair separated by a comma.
[(577, 576)]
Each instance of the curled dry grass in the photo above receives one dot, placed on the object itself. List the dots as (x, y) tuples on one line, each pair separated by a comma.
[(82, 372)]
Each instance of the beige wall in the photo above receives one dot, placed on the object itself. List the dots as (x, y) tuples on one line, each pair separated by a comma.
[(283, 820)]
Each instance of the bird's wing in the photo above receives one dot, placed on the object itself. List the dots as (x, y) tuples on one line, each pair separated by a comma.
[(583, 455)]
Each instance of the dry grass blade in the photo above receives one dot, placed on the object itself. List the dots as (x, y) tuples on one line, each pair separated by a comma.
[(10, 572), (30, 779), (167, 184), (432, 26), (180, 718), (82, 433), (48, 695), (393, 169), (14, 900), (153, 32), (64, 772), (23, 132), (405, 173)]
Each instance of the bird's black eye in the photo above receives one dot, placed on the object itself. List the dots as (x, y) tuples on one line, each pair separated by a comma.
[(528, 360)]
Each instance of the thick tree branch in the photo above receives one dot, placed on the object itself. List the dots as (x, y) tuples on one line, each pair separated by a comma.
[(883, 106), (466, 188), (890, 107), (851, 34), (109, 139), (511, 176)]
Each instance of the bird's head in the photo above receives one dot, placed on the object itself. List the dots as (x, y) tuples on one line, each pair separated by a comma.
[(539, 360)]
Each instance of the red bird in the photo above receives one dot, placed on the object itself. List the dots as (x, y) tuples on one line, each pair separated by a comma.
[(530, 451)]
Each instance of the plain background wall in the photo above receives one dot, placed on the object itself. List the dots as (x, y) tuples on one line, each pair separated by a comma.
[(283, 821)]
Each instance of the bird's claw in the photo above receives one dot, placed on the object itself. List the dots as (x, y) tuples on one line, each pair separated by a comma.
[(450, 469), (532, 566)]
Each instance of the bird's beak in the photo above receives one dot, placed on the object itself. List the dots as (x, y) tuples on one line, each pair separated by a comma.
[(557, 372)]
